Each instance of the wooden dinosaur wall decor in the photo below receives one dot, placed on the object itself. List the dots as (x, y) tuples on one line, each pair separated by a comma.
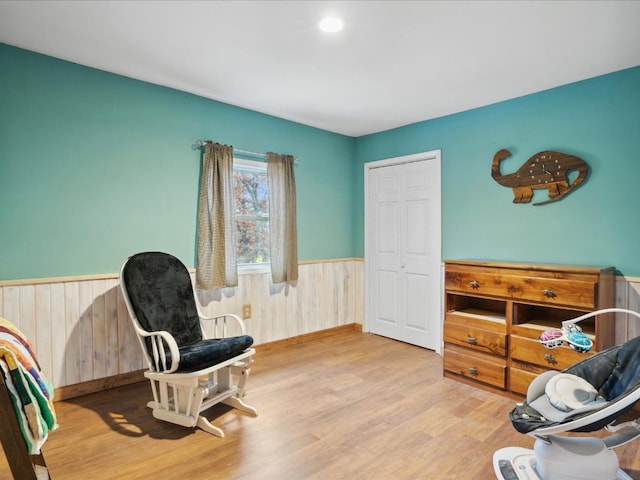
[(545, 170)]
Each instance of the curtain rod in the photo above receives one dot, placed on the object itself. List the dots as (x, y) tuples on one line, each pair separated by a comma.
[(202, 143)]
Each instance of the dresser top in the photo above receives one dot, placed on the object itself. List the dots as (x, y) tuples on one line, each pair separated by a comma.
[(542, 267)]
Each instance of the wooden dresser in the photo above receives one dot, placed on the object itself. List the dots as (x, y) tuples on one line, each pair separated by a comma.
[(496, 311)]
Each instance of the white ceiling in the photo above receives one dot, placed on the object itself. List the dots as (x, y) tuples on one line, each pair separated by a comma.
[(395, 62)]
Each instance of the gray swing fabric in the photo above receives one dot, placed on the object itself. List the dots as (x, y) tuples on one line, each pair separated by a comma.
[(216, 265), (282, 218)]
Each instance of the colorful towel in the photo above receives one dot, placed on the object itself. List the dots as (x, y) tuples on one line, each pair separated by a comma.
[(31, 394)]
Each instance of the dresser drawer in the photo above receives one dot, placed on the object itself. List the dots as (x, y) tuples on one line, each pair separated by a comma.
[(551, 291), (519, 380), (475, 281), (521, 375), (478, 318), (473, 336), (483, 368), (531, 351), (524, 286)]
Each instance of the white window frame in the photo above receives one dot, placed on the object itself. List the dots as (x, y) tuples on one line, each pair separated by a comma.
[(257, 166)]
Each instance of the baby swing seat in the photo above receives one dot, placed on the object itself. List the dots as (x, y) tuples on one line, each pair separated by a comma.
[(586, 397)]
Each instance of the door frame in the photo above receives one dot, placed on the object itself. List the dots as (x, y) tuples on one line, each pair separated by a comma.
[(434, 155)]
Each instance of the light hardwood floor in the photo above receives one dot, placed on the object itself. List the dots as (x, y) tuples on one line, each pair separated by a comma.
[(351, 405)]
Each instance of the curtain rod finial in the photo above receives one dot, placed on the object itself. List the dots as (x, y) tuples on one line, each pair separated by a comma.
[(199, 144)]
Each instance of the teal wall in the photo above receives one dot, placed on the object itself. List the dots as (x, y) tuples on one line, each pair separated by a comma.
[(96, 166), (597, 120)]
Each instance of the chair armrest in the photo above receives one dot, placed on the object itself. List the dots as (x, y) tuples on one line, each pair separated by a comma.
[(157, 358), (220, 321)]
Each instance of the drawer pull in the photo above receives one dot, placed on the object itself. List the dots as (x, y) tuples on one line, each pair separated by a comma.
[(473, 371), (549, 358), (472, 340), (547, 292), (474, 284)]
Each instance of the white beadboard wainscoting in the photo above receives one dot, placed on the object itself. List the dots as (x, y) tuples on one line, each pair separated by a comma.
[(627, 296), (81, 330)]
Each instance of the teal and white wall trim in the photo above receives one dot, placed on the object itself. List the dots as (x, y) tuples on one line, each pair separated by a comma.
[(95, 166)]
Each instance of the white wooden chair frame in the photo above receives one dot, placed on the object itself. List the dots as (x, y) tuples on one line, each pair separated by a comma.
[(181, 397)]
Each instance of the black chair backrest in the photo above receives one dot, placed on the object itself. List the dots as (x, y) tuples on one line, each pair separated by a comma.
[(161, 294)]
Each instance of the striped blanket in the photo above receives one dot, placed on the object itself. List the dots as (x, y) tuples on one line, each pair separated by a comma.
[(30, 392)]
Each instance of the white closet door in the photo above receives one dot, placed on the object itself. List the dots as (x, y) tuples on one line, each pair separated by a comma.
[(403, 250)]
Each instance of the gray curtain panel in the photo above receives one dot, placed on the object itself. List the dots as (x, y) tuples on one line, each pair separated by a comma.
[(282, 218)]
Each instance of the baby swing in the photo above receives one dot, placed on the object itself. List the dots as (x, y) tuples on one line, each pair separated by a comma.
[(585, 397)]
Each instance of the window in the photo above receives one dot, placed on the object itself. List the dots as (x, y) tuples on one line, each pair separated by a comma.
[(251, 197)]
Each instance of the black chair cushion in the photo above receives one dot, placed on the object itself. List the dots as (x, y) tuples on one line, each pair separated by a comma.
[(161, 294), (211, 352)]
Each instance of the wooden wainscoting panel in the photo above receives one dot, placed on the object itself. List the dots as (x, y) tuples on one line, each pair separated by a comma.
[(85, 328), (52, 327), (11, 304), (327, 294), (99, 327), (72, 341), (633, 302), (117, 320), (627, 296), (82, 332), (27, 308), (43, 336)]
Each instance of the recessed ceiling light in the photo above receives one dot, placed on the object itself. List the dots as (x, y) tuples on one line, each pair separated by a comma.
[(331, 24)]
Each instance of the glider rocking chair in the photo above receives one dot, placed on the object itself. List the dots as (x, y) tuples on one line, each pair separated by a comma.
[(189, 370)]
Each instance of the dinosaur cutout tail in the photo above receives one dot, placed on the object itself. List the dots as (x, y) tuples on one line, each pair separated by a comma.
[(583, 171)]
